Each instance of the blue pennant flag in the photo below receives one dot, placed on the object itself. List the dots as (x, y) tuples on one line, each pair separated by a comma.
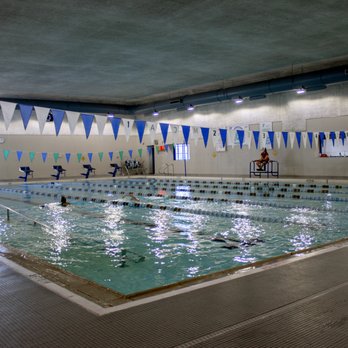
[(19, 155), (333, 137), (166, 146), (240, 134), (271, 138), (256, 138), (186, 132), (130, 153), (115, 123), (205, 134), (90, 156), (321, 138), (298, 138), (149, 150), (164, 130), (285, 138), (140, 124), (342, 136), (111, 154), (26, 111), (310, 138), (58, 116), (67, 156), (44, 156), (87, 122), (223, 134)]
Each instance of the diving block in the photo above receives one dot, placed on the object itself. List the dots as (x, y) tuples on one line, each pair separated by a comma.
[(116, 168), (89, 170), (26, 171), (60, 170)]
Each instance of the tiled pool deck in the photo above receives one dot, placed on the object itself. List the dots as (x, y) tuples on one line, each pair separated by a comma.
[(298, 304)]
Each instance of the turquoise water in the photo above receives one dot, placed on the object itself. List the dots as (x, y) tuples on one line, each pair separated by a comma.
[(131, 249)]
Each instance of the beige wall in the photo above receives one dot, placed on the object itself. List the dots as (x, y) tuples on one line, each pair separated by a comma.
[(318, 111)]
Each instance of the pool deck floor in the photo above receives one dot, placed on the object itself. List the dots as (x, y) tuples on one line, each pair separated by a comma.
[(298, 304)]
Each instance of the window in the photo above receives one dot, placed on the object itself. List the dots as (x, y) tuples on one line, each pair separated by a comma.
[(181, 152)]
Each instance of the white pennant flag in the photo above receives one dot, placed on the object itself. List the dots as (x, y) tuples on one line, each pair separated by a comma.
[(278, 136), (215, 136), (195, 134), (152, 130), (263, 139), (316, 138), (337, 135), (101, 121), (247, 138), (175, 132), (7, 111), (127, 124), (304, 139), (72, 117), (292, 139), (41, 115), (233, 137), (327, 137)]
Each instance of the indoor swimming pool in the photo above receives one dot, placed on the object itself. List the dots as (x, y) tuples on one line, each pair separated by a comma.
[(133, 235)]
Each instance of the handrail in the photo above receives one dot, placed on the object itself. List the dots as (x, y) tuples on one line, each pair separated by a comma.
[(8, 209), (165, 169)]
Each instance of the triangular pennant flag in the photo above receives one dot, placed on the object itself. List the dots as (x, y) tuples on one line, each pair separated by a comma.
[(316, 138), (101, 121), (278, 136), (79, 156), (205, 134), (310, 138), (240, 134), (101, 155), (149, 150), (342, 136), (152, 126), (130, 153), (7, 111), (72, 117), (327, 136), (41, 115), (19, 155), (186, 132), (271, 138), (25, 111), (157, 149), (111, 154), (298, 138), (256, 138), (56, 156), (223, 135), (292, 139), (304, 139), (233, 138), (166, 146), (164, 130), (58, 116), (67, 156), (194, 134), (44, 156), (247, 138), (333, 137), (6, 153), (175, 132), (87, 120), (321, 138), (337, 135), (285, 138), (140, 124), (115, 123), (127, 125), (31, 156), (90, 156), (140, 152), (121, 154)]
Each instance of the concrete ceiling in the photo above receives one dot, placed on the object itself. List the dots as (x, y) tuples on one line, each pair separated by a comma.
[(132, 52)]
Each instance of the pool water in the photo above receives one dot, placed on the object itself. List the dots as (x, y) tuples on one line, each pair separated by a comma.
[(170, 236)]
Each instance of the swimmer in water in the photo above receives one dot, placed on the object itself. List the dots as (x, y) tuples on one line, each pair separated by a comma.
[(64, 202), (132, 197)]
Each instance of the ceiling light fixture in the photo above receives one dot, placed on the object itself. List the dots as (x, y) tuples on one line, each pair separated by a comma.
[(238, 100), (301, 90), (155, 113), (190, 107), (110, 115)]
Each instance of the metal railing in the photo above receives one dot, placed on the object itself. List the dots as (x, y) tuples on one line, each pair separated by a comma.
[(165, 169)]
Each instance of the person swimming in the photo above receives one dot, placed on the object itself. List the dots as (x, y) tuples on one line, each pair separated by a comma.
[(132, 197), (231, 243), (64, 202)]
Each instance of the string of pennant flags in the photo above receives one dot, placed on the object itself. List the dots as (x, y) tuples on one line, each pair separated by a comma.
[(225, 136)]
